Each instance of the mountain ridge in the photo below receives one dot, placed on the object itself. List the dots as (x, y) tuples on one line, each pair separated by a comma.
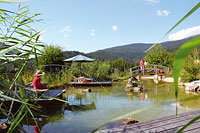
[(129, 52)]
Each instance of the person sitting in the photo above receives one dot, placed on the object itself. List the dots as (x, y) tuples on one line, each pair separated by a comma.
[(36, 81)]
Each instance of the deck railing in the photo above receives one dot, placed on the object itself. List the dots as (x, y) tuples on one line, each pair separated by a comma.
[(149, 69)]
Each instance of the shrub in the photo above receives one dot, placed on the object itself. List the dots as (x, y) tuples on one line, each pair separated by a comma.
[(191, 68), (103, 72)]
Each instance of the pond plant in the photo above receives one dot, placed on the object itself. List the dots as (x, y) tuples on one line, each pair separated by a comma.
[(18, 41)]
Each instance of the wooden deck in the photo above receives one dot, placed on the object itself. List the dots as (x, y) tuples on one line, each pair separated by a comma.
[(170, 124), (107, 83)]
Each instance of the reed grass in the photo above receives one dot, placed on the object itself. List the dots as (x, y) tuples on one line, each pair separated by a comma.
[(17, 35)]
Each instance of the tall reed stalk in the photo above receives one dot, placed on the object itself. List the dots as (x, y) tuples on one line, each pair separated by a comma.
[(18, 40)]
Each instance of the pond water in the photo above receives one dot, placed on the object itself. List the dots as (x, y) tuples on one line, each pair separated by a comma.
[(104, 104)]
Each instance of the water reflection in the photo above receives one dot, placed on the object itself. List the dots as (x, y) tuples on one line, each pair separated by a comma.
[(32, 122), (80, 107), (78, 102), (143, 96), (89, 110), (132, 95), (41, 118)]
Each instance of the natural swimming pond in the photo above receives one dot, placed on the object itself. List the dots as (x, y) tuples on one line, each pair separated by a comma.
[(91, 110)]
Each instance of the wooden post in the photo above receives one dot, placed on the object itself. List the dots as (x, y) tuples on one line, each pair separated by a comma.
[(131, 71), (156, 70), (143, 70)]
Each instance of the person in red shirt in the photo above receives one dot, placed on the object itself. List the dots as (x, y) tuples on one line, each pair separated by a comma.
[(36, 81), (142, 66)]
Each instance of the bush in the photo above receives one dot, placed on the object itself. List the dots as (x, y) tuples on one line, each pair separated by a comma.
[(57, 79), (28, 77), (191, 67), (103, 72), (97, 70)]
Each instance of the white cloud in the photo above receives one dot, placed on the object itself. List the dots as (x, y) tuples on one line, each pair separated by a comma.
[(153, 1), (185, 33), (163, 13), (65, 35), (114, 28), (66, 30), (92, 32)]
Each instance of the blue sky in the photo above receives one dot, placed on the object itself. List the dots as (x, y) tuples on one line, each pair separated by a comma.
[(90, 25)]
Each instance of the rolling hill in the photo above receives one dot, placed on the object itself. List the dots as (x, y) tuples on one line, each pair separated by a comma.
[(129, 52)]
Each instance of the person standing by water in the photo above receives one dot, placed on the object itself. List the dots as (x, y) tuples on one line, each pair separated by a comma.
[(36, 81), (145, 64), (142, 66)]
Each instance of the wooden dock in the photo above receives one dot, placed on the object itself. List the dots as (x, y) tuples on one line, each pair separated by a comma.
[(169, 124)]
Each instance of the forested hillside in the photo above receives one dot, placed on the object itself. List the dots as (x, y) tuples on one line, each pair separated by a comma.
[(130, 52)]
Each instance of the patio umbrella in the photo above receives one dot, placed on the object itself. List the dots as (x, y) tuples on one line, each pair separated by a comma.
[(79, 58)]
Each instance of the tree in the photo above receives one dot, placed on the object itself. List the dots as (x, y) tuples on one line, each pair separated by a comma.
[(103, 72), (159, 56), (51, 55), (119, 64)]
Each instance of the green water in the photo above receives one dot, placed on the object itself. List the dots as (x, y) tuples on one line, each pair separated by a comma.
[(105, 104)]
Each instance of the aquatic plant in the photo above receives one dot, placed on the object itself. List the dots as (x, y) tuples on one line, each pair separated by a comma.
[(18, 41), (58, 79)]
